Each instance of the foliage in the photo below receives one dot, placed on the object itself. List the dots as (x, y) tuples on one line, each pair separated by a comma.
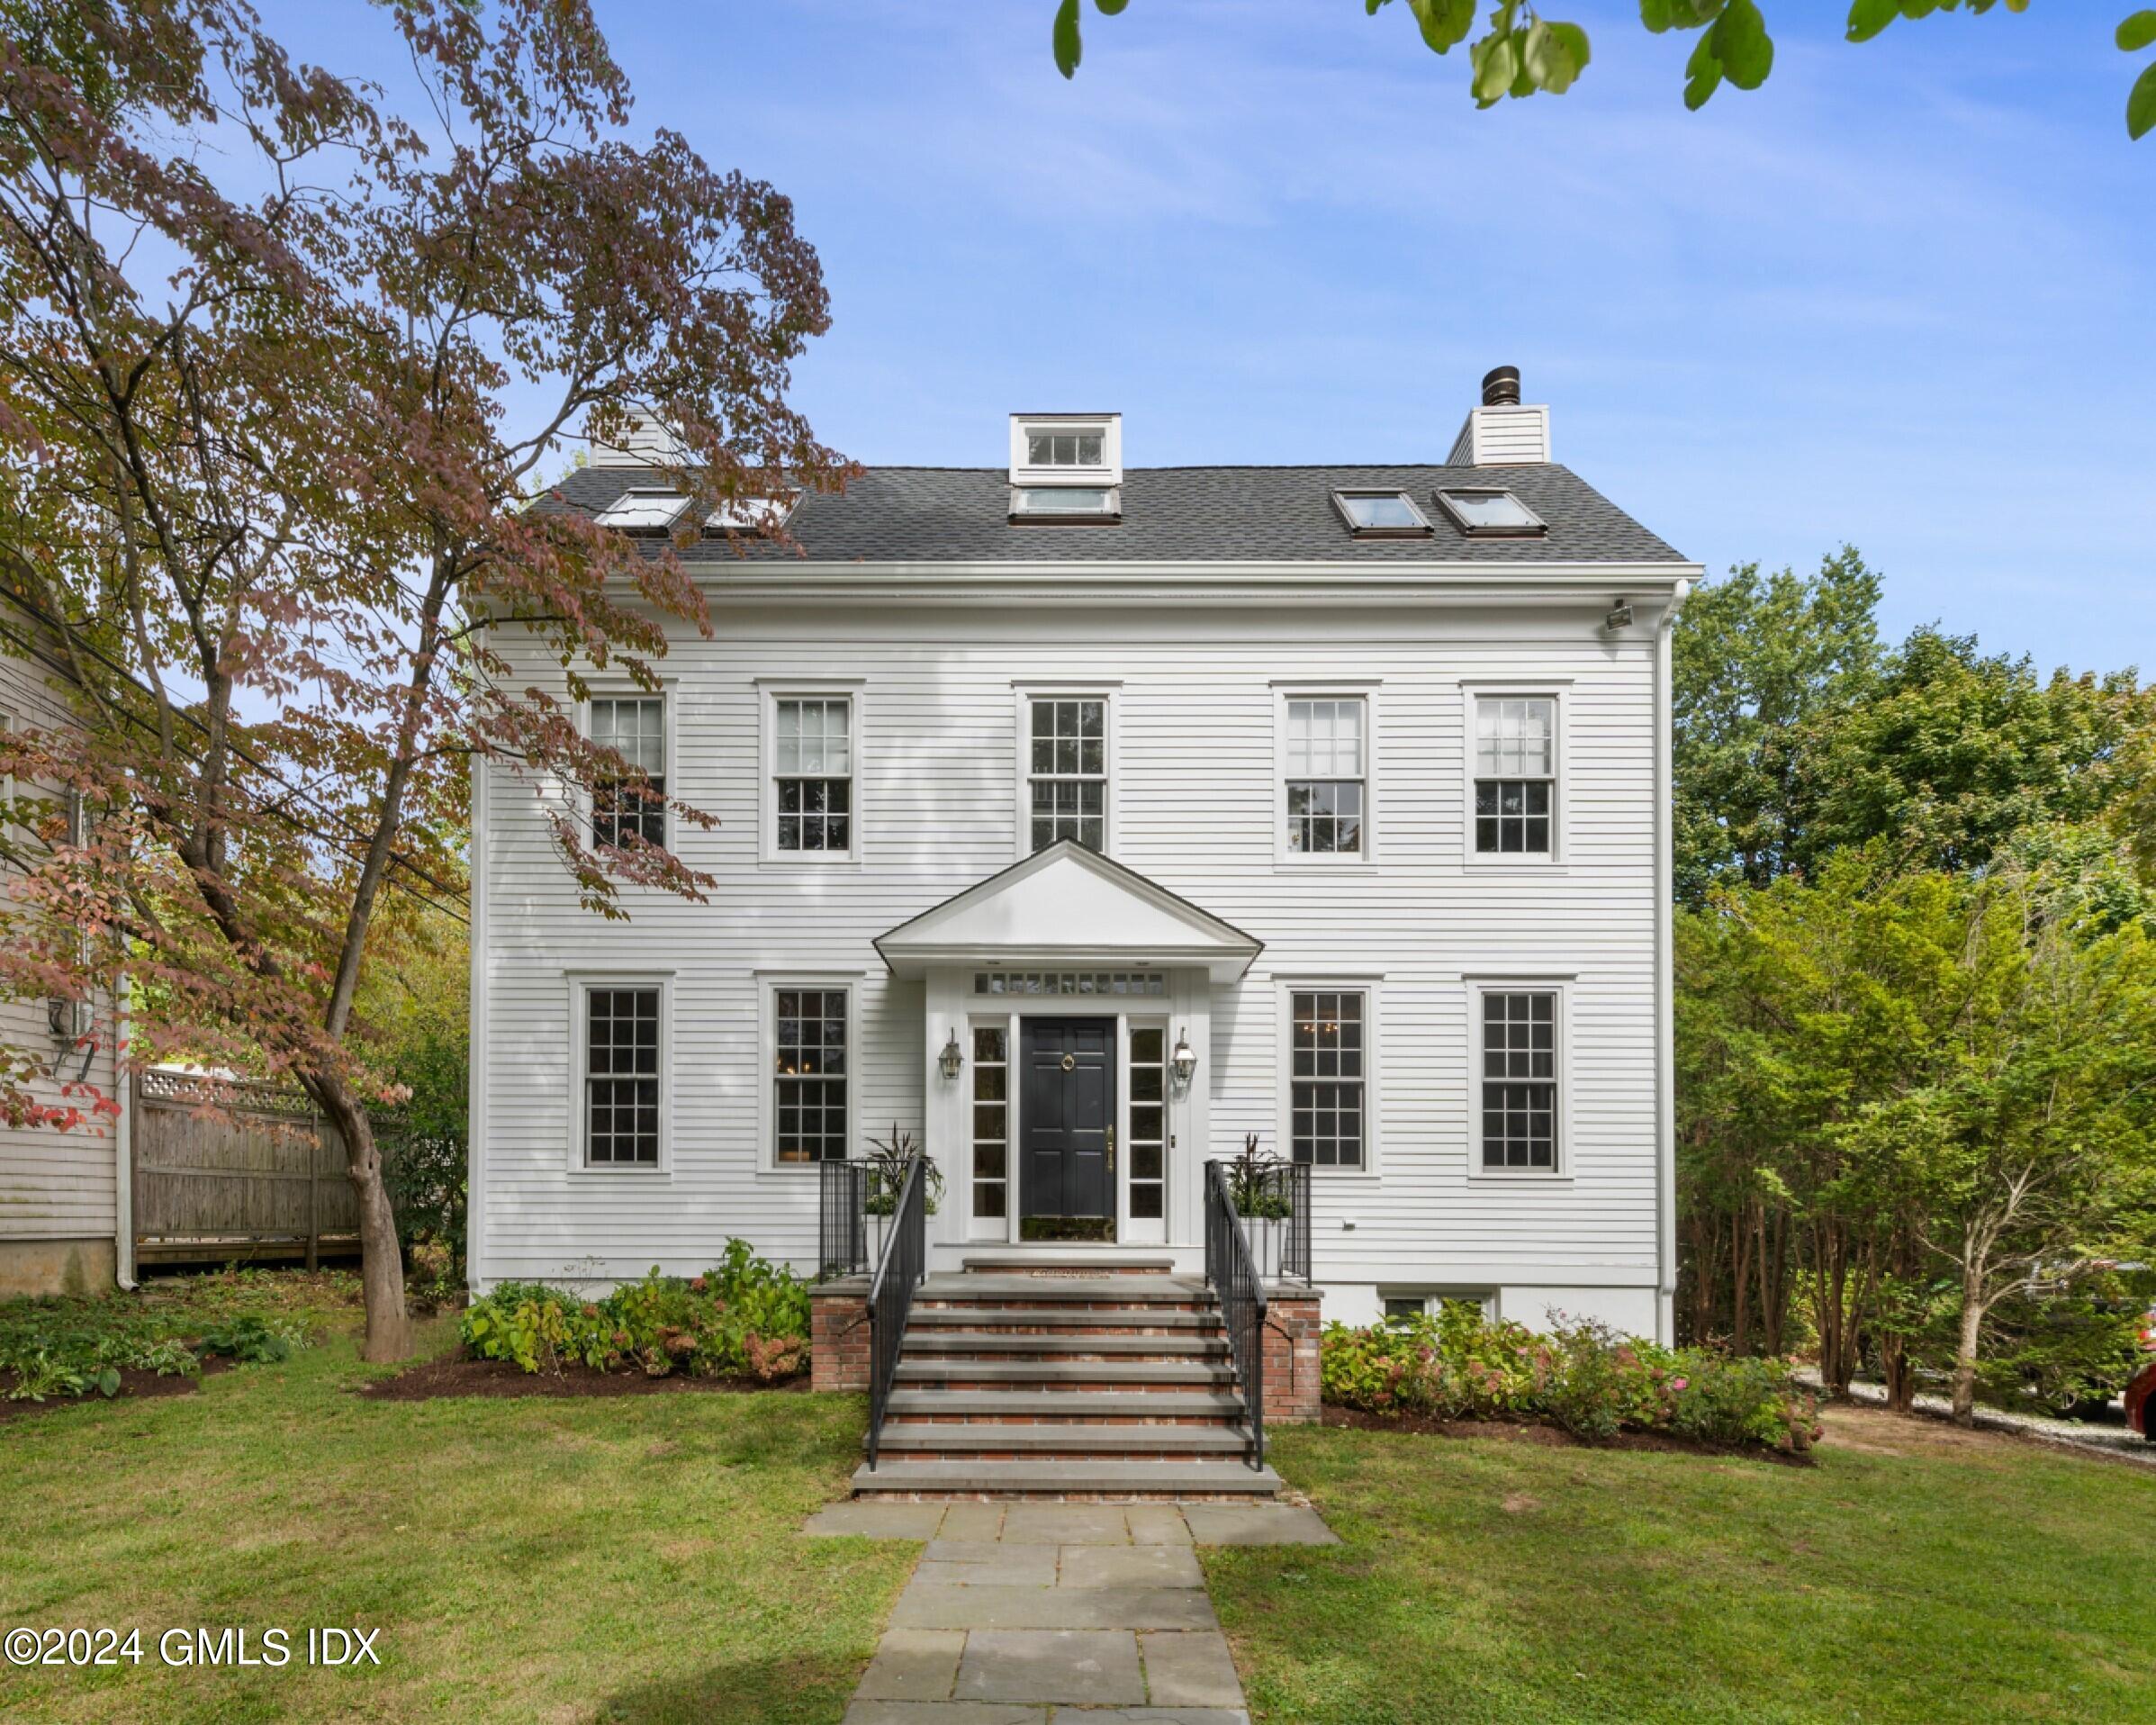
[(252, 1340), (1524, 53), (745, 1317), (1582, 1376), (1255, 1183), (264, 332), (887, 1160)]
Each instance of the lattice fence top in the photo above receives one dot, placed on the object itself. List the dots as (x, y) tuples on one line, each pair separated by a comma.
[(251, 1095)]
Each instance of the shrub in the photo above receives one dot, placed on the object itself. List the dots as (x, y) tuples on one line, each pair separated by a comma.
[(253, 1341), (743, 1317)]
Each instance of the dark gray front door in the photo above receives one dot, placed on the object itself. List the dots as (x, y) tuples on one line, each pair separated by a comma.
[(1066, 1112)]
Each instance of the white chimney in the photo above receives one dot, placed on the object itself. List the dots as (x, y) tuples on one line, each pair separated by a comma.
[(1501, 433), (647, 443)]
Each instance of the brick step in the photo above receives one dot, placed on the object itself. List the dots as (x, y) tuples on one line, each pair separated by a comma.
[(1100, 1406), (973, 1373), (1112, 1480), (1056, 1319), (1000, 1343), (930, 1441)]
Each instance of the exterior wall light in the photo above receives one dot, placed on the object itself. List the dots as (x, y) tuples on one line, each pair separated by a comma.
[(953, 1057), (1619, 617), (1183, 1060)]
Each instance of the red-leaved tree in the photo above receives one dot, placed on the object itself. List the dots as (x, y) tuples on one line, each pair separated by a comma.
[(282, 368)]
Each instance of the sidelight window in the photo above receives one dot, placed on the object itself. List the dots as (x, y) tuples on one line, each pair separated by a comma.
[(1147, 1147), (991, 1120)]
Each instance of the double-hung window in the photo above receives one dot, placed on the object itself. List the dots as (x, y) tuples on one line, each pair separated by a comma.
[(1519, 1081), (811, 1073), (1327, 1075), (622, 1076), (622, 807), (1327, 774), (1515, 775), (1066, 770), (812, 774)]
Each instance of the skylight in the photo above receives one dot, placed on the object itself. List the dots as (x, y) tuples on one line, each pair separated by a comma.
[(1064, 503), (750, 514), (1381, 514), (644, 507), (1490, 514)]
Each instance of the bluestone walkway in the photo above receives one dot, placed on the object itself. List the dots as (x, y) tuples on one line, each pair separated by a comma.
[(1058, 1613)]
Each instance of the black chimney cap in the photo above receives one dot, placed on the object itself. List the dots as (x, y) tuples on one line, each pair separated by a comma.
[(1501, 387)]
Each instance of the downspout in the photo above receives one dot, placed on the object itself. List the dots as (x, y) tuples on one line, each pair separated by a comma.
[(1665, 1040), (124, 1146), (475, 1063)]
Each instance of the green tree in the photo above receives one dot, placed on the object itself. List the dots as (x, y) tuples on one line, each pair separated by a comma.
[(1525, 53)]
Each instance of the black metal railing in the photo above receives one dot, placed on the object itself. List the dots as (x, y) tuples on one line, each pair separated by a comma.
[(898, 1272), (842, 1226), (1273, 1199), (1232, 1273)]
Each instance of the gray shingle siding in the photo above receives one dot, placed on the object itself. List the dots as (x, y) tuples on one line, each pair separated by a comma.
[(1171, 515)]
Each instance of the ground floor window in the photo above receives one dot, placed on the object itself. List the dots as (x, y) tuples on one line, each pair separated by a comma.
[(1327, 1076), (810, 1075), (622, 1076), (1520, 1079), (991, 1120)]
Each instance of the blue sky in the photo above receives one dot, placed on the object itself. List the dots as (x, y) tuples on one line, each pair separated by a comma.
[(1901, 296)]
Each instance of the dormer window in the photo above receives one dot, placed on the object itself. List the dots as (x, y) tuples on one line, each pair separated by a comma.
[(643, 510), (1490, 514), (1065, 450), (1381, 514), (1068, 504), (1082, 450)]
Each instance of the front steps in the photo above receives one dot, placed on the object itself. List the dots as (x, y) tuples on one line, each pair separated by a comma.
[(1074, 1380)]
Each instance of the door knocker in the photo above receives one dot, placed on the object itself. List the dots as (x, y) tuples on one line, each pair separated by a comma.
[(1071, 1062)]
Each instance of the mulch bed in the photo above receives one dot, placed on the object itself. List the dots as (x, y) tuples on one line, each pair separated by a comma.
[(1548, 1437), (456, 1375), (134, 1386)]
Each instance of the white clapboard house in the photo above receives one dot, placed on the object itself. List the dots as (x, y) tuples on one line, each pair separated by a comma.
[(1082, 819)]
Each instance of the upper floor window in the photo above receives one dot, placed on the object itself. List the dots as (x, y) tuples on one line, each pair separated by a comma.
[(1067, 772), (812, 773), (1518, 1036), (1326, 774), (1515, 774), (622, 1075), (634, 728)]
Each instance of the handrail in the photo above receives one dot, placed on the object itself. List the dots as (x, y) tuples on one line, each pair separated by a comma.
[(1232, 1272), (891, 1292)]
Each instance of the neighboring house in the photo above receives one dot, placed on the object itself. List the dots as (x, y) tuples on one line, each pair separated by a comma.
[(63, 1204), (1343, 788)]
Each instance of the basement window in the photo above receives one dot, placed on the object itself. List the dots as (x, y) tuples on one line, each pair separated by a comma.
[(645, 510), (1491, 514), (1066, 503), (1381, 514)]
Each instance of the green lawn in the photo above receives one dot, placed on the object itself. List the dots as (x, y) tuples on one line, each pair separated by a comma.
[(524, 1560), (1925, 1575)]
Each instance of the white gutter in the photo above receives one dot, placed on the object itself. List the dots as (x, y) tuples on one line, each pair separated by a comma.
[(124, 1146), (1665, 1040)]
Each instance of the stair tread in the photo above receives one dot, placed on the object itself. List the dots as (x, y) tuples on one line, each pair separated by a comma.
[(1231, 1439), (942, 1316), (1091, 1402), (1125, 1261), (1088, 1371), (1232, 1476), (1106, 1288), (1004, 1342)]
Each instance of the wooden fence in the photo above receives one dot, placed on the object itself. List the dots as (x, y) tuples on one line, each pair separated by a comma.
[(263, 1177)]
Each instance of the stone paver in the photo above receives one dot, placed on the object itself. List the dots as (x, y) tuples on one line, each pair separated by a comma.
[(1099, 1666), (1058, 1613)]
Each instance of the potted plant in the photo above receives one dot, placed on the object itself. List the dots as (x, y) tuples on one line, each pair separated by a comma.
[(1263, 1198), (887, 1160)]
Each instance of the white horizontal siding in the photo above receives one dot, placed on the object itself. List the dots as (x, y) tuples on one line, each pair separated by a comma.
[(1195, 804)]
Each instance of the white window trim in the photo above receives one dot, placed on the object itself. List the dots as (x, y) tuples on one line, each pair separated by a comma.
[(1520, 982), (1370, 985), (1107, 690), (1551, 688), (1366, 691), (770, 692), (579, 797), (767, 985), (1109, 473), (1432, 1293), (579, 984)]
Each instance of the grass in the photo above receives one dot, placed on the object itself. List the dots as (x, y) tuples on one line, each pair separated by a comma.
[(524, 1560), (1915, 1574)]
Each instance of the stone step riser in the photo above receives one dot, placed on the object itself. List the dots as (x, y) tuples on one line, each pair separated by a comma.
[(1077, 1416), (1189, 1496)]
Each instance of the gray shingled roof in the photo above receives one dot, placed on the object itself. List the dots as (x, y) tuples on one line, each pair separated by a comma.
[(1172, 514)]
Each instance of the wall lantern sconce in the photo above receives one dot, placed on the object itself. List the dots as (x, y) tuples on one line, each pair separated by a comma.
[(1183, 1061), (951, 1058), (1619, 617)]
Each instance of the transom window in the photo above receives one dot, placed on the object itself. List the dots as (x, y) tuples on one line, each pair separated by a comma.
[(643, 509), (991, 1120), (1515, 774), (1327, 1077), (1068, 772), (1149, 1121), (1520, 1079), (634, 728), (621, 1078), (1325, 775), (1490, 514), (812, 763), (1071, 448), (1070, 982), (810, 1075), (1381, 514)]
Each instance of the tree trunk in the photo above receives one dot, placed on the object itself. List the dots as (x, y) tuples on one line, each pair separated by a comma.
[(381, 1258), (1965, 1348), (1740, 1280), (1894, 1365)]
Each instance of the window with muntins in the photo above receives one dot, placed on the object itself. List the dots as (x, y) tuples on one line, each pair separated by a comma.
[(1149, 1121), (1520, 1079), (1515, 774), (810, 1079), (621, 1078), (1326, 1075), (1074, 448), (1326, 779), (812, 756), (1067, 775), (991, 1120), (634, 728)]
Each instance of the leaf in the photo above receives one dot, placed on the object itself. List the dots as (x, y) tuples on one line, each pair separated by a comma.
[(1867, 18), (2137, 31), (1496, 65), (1556, 54), (108, 1382), (1702, 74), (1742, 44), (1067, 45), (2140, 106), (1444, 24), (1111, 7)]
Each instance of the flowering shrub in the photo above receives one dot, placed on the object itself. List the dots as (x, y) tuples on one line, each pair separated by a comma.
[(1585, 1378), (745, 1316)]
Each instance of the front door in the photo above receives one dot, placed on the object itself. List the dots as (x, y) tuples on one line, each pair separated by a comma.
[(1067, 1116)]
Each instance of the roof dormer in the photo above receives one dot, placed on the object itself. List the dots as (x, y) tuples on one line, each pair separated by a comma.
[(1083, 449)]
